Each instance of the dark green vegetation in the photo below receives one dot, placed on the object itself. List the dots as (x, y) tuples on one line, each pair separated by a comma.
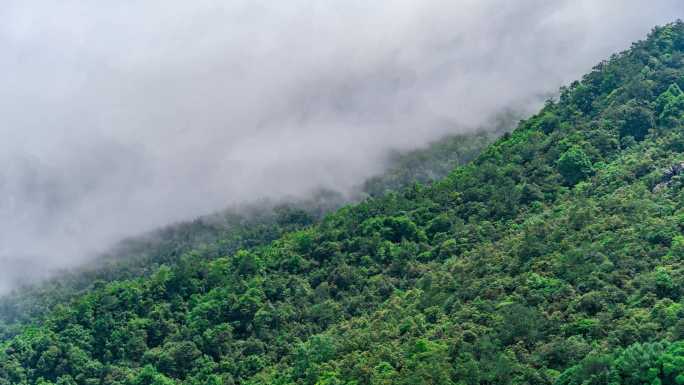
[(554, 257)]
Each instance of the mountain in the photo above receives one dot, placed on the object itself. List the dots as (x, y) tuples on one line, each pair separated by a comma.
[(240, 227), (555, 256)]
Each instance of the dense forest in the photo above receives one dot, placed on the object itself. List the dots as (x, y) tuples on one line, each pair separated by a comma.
[(555, 256), (240, 227)]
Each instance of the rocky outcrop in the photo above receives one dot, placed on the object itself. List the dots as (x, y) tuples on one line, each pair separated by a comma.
[(670, 173)]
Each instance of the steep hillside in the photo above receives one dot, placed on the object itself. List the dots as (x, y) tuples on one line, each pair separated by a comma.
[(554, 257), (242, 227), (216, 235)]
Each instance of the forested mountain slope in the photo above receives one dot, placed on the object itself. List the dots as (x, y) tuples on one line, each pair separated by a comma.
[(241, 227), (217, 235), (554, 257)]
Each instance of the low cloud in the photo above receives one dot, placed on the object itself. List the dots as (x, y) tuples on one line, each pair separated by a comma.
[(122, 116)]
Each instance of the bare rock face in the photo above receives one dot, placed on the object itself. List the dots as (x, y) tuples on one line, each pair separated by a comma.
[(670, 173)]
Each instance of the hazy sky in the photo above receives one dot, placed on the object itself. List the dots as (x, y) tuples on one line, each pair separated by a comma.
[(120, 116)]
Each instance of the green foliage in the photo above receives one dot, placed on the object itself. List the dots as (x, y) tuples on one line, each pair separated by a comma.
[(660, 363), (149, 376), (669, 106), (635, 120), (574, 165)]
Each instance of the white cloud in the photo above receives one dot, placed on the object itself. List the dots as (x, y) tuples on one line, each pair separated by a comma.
[(122, 116)]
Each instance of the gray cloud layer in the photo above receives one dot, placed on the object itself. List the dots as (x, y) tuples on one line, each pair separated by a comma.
[(121, 116)]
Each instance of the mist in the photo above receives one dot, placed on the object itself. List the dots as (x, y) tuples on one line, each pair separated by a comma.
[(118, 117)]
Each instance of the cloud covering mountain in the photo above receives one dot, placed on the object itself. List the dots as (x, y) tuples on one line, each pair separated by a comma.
[(122, 116)]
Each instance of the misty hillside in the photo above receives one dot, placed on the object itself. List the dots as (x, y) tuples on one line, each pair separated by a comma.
[(243, 227), (435, 161), (555, 256)]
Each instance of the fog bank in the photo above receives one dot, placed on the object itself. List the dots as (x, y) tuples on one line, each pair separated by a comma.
[(118, 117)]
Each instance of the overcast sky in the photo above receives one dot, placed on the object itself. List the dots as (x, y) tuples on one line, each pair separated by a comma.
[(120, 116)]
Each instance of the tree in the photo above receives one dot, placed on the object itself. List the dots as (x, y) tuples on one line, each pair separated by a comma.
[(427, 363), (634, 120), (670, 105), (574, 165), (149, 376)]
